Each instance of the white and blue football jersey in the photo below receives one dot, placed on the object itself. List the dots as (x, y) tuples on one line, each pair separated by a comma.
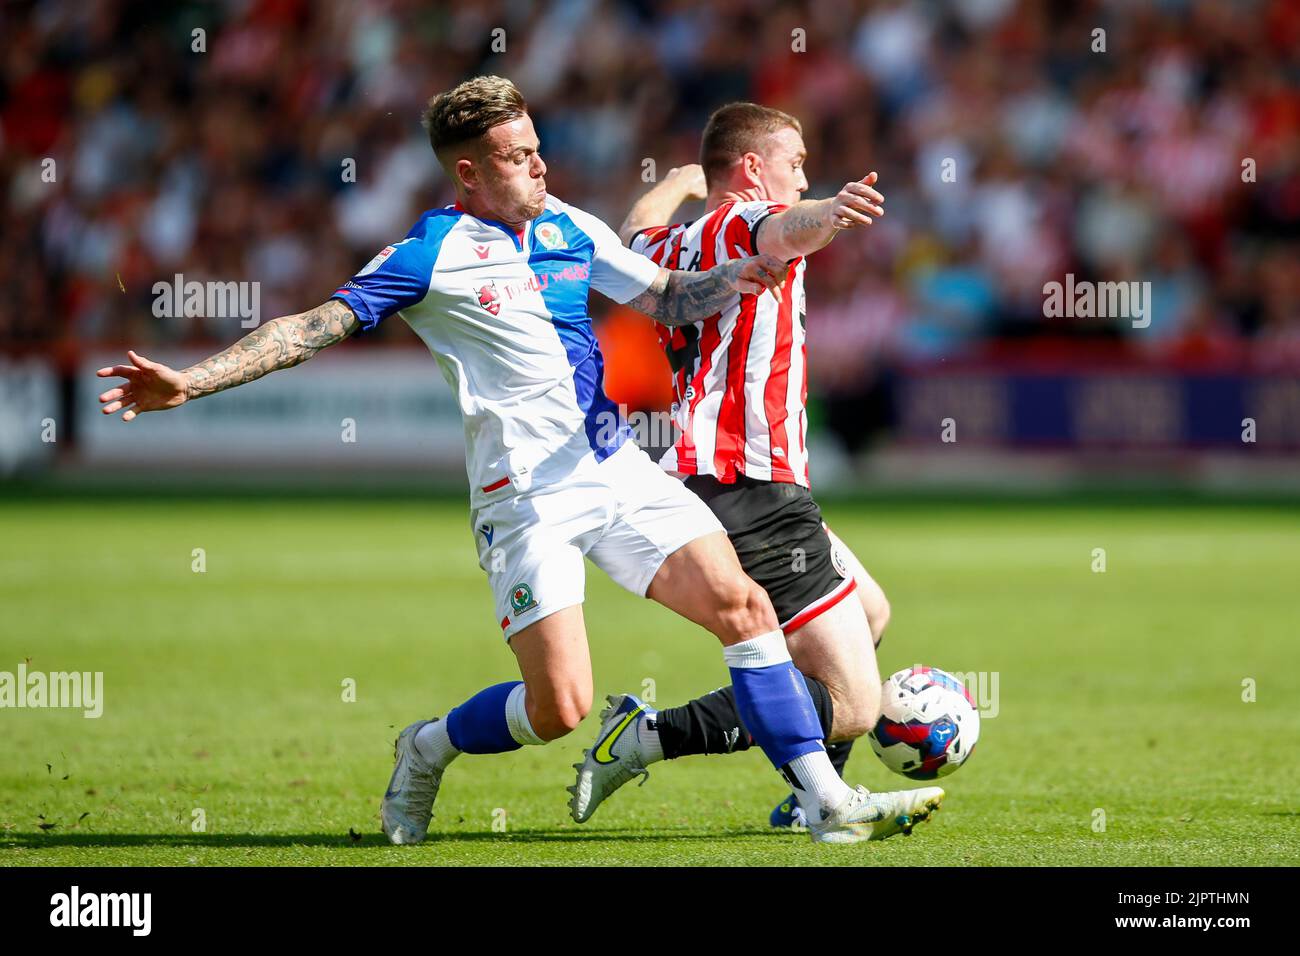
[(504, 313)]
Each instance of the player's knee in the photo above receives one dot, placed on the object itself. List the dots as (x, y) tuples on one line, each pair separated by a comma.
[(561, 715), (743, 611), (851, 727)]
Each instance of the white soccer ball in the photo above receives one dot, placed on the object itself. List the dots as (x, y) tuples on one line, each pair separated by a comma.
[(928, 725)]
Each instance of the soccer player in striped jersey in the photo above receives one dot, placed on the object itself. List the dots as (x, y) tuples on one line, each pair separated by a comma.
[(497, 287), (740, 382)]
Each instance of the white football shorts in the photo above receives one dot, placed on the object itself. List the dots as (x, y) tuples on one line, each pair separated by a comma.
[(625, 513)]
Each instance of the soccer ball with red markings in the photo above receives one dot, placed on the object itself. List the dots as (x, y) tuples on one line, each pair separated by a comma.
[(928, 723)]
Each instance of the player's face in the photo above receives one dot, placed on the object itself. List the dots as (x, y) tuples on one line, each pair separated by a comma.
[(783, 176), (512, 176)]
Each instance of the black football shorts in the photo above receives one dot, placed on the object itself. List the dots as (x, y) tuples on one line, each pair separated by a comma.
[(781, 540)]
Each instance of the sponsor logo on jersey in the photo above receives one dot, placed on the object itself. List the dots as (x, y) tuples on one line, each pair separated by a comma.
[(539, 282), (488, 532), (489, 299), (551, 236), (482, 251)]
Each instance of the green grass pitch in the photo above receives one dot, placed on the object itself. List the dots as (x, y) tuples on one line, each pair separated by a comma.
[(1119, 692)]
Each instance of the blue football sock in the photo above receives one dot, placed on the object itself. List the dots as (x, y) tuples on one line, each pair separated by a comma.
[(772, 699), (480, 726)]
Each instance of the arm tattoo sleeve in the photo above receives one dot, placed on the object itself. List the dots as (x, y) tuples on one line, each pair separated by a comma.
[(680, 297), (280, 343)]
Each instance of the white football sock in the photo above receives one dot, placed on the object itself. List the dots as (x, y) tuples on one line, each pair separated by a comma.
[(817, 786), (434, 745), (521, 728), (648, 736)]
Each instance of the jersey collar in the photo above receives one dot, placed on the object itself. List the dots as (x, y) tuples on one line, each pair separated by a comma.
[(516, 235)]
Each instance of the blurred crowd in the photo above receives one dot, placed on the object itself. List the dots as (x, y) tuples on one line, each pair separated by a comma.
[(1016, 141)]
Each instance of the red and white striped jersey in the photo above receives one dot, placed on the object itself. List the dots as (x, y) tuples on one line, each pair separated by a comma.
[(740, 378)]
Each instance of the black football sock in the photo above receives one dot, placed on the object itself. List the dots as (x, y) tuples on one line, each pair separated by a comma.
[(712, 725)]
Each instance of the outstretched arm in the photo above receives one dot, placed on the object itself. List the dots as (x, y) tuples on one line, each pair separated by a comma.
[(812, 223), (656, 207), (678, 297), (281, 343)]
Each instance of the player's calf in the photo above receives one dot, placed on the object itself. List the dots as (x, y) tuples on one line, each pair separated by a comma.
[(836, 648), (555, 664)]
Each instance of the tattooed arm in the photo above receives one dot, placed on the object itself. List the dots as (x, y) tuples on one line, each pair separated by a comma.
[(812, 223), (281, 343), (678, 297)]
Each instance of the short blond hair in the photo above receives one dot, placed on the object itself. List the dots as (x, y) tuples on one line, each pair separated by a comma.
[(469, 110)]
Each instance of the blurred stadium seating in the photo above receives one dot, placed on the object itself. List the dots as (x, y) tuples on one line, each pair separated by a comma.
[(1172, 158)]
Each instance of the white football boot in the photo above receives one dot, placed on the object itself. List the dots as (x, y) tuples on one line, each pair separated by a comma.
[(876, 816), (615, 759), (408, 803)]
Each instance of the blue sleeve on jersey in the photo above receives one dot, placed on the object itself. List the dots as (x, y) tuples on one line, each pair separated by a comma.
[(398, 277)]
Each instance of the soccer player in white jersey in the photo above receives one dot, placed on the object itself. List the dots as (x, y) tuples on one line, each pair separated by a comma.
[(740, 384), (496, 286)]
